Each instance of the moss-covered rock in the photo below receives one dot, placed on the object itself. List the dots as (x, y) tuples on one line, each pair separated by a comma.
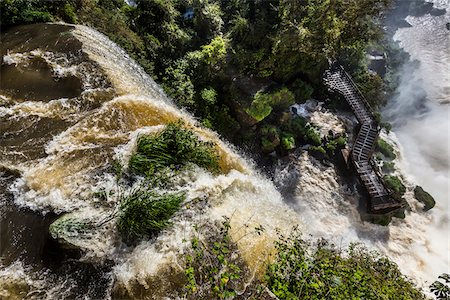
[(71, 230), (424, 197), (386, 149), (263, 103), (388, 167), (395, 184), (382, 220)]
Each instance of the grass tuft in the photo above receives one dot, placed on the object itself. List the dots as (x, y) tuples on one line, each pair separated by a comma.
[(173, 147), (144, 213)]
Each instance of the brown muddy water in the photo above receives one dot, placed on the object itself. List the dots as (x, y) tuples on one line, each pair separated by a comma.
[(71, 101)]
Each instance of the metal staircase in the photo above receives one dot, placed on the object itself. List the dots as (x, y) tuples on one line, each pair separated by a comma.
[(381, 200)]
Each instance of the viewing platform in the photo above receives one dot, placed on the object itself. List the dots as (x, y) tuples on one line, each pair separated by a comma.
[(381, 200)]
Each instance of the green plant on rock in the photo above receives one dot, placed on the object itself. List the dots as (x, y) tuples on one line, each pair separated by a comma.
[(386, 149), (312, 136), (388, 167), (173, 147), (143, 213), (288, 141), (263, 103), (396, 184)]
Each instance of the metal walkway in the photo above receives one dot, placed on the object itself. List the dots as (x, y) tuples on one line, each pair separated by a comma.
[(381, 200)]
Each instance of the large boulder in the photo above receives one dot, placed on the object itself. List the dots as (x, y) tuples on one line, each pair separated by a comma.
[(424, 197)]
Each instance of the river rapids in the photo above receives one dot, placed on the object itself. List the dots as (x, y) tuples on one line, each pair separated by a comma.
[(72, 102)]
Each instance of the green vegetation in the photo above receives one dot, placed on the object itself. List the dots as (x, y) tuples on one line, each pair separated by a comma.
[(424, 197), (298, 270), (173, 147), (143, 213), (23, 12), (395, 184), (198, 58), (386, 149), (388, 167), (441, 290), (264, 103), (270, 138), (301, 271), (212, 269)]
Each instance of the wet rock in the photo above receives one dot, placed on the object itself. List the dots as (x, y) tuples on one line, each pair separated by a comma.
[(424, 197)]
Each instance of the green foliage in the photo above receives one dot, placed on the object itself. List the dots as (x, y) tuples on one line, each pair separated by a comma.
[(317, 150), (288, 142), (388, 167), (264, 103), (424, 197), (173, 147), (178, 84), (69, 15), (395, 184), (386, 149), (14, 12), (310, 25), (312, 136), (302, 271), (334, 144), (69, 227), (270, 138), (215, 52), (302, 90), (207, 18), (212, 268), (144, 213), (441, 290), (209, 96)]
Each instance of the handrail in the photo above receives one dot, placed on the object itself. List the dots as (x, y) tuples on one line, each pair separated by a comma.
[(371, 178), (364, 100)]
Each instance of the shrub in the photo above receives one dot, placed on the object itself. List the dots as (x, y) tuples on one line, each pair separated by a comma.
[(212, 267), (263, 103), (173, 147), (144, 213), (302, 271), (288, 142), (209, 96), (424, 197), (312, 136), (395, 183), (386, 149)]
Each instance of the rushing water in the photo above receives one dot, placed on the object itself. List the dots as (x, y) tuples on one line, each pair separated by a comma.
[(421, 117), (71, 101)]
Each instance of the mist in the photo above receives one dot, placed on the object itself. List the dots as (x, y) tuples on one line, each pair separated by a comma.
[(420, 114)]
